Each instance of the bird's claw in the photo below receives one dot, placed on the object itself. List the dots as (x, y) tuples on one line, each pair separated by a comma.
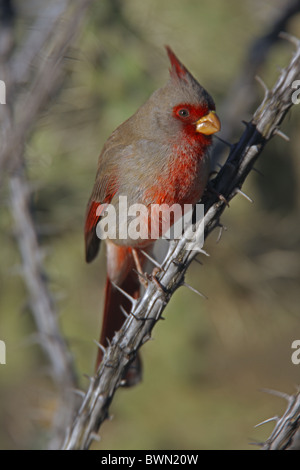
[(220, 196)]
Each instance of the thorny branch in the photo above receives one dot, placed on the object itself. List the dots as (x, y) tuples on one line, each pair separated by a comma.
[(243, 93), (286, 433), (40, 78), (147, 311)]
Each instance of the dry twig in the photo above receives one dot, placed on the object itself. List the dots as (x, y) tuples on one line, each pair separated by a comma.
[(286, 433), (37, 67)]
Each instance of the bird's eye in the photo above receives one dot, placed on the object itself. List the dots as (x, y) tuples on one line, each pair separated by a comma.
[(183, 112)]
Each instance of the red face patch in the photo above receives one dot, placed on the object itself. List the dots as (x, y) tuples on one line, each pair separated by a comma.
[(190, 113)]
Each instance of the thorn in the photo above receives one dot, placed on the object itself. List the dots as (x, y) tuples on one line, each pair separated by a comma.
[(89, 377), (289, 37), (277, 394), (100, 346), (150, 258), (224, 142), (95, 436), (262, 83), (274, 418), (282, 135), (220, 234), (239, 191), (131, 299), (257, 171), (203, 252), (140, 274), (222, 229), (126, 315), (194, 290), (78, 392)]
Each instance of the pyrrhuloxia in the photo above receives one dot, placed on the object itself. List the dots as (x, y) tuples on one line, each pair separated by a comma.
[(160, 155)]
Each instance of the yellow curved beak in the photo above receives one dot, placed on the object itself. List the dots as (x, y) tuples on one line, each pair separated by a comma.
[(208, 124)]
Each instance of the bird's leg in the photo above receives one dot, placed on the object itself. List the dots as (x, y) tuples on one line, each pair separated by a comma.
[(142, 276), (145, 277)]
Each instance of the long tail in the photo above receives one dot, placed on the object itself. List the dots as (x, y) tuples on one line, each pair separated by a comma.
[(120, 269)]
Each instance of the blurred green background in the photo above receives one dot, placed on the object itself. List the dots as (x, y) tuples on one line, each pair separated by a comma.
[(208, 361)]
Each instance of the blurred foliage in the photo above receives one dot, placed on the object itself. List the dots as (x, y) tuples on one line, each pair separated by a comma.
[(203, 372)]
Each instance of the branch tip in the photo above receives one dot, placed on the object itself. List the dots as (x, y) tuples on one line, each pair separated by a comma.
[(274, 418), (150, 258), (203, 252), (277, 393), (290, 38), (100, 346), (194, 290), (282, 135), (264, 86), (239, 191), (131, 299), (126, 315), (79, 392)]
